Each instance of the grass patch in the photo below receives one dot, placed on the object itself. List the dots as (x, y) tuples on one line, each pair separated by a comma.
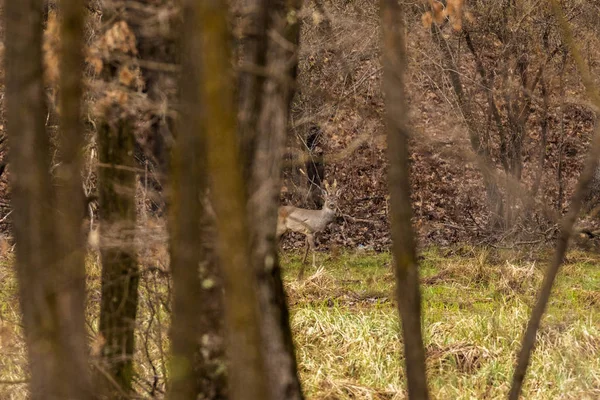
[(475, 306)]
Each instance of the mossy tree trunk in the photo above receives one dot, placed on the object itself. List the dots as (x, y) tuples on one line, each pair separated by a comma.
[(266, 147), (198, 361), (403, 248), (247, 378)]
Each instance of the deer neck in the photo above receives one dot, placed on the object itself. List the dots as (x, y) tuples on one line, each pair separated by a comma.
[(327, 214)]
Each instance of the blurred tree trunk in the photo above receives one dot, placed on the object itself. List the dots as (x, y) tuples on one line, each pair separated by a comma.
[(247, 378), (263, 189), (120, 275), (48, 294), (32, 196), (405, 260), (71, 204), (197, 367)]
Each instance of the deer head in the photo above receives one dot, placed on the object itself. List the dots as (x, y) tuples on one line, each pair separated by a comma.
[(330, 196)]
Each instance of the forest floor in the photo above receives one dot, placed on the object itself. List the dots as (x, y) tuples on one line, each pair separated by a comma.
[(475, 306)]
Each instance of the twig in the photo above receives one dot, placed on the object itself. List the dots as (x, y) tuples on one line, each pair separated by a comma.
[(147, 64), (14, 382), (110, 379), (353, 219), (6, 216)]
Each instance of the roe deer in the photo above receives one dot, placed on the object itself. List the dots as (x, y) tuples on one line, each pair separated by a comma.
[(308, 222)]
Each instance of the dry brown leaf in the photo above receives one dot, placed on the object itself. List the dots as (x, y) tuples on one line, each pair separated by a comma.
[(97, 345), (95, 62), (439, 12), (427, 19), (457, 24), (126, 76), (469, 17), (4, 247), (119, 38)]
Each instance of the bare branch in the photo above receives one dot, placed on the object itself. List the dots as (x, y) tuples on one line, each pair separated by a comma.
[(567, 222)]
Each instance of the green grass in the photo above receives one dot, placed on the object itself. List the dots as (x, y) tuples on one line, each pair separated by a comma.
[(475, 306)]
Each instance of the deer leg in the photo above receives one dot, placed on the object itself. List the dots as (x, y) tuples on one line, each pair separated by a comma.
[(311, 242), (310, 245), (301, 273), (306, 252)]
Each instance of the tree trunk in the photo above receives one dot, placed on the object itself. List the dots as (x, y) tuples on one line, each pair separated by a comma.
[(32, 193), (247, 379), (253, 45), (71, 204), (197, 367), (264, 188), (403, 248), (53, 337), (120, 274)]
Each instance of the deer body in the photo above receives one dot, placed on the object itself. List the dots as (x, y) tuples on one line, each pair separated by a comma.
[(308, 222), (302, 220)]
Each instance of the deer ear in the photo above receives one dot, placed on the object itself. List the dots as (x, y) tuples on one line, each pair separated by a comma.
[(338, 192)]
